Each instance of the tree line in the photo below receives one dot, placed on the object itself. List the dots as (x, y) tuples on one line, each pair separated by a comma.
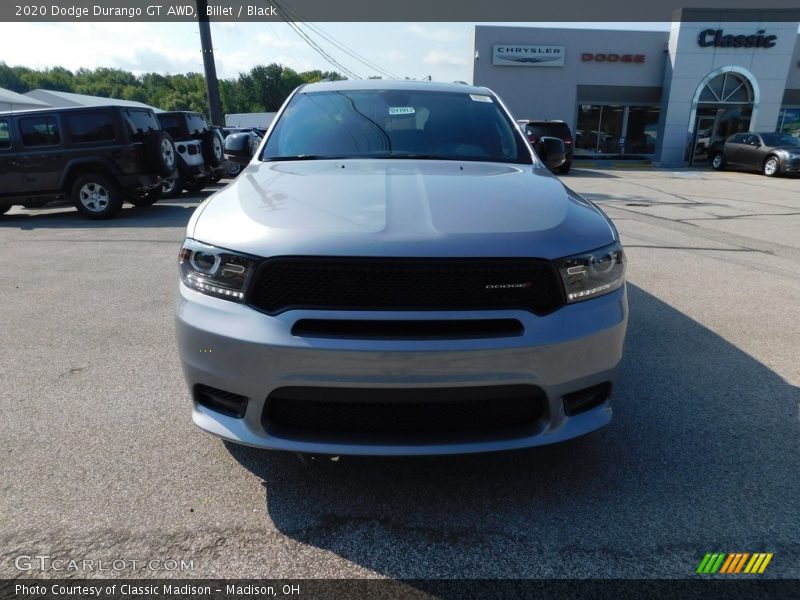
[(262, 89)]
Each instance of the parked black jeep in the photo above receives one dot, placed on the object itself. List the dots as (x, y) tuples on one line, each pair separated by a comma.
[(200, 152), (99, 157)]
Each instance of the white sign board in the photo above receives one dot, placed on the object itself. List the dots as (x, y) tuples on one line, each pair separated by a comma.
[(520, 55)]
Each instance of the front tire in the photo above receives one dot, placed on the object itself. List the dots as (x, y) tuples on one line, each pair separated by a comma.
[(718, 162), (564, 169), (96, 196), (771, 167)]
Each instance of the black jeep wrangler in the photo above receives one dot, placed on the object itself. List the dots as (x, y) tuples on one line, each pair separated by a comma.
[(98, 157), (200, 149)]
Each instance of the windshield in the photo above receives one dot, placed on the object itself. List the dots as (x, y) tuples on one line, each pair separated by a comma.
[(395, 124), (780, 139)]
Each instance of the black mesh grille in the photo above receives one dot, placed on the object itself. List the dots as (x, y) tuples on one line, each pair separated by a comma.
[(221, 401), (405, 284), (404, 411)]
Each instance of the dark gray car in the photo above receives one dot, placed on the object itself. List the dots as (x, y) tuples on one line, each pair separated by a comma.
[(770, 153)]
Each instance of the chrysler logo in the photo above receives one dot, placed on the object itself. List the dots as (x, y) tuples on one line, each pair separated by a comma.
[(505, 286)]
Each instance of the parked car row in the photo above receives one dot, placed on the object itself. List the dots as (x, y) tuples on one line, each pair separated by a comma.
[(99, 157)]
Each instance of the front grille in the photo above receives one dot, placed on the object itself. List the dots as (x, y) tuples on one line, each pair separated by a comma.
[(403, 411), (286, 283)]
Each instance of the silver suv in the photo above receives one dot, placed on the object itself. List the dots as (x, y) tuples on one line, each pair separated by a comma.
[(397, 272)]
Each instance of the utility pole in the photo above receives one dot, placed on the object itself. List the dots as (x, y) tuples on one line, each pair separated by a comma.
[(212, 87)]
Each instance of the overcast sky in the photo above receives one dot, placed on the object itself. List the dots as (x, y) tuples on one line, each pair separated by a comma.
[(415, 50)]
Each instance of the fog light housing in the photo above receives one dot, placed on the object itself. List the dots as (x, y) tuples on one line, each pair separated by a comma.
[(586, 399), (227, 403)]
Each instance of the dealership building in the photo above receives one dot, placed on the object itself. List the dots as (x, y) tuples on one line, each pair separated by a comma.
[(664, 96)]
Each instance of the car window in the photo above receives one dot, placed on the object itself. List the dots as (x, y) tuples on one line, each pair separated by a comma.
[(172, 125), (196, 123), (780, 139), (140, 121), (559, 130), (395, 123), (39, 131), (90, 127), (737, 139), (5, 136)]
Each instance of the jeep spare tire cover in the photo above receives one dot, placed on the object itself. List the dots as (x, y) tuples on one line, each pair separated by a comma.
[(160, 152), (213, 149)]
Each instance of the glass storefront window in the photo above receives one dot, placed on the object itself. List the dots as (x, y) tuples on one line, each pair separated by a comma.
[(599, 130), (587, 128), (789, 121), (642, 133)]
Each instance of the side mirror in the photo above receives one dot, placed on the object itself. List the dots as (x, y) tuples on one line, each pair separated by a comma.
[(238, 148), (552, 151)]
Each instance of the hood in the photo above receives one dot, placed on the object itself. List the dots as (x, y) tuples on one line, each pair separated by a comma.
[(400, 207)]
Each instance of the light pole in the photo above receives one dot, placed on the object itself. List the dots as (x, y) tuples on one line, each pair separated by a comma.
[(212, 87)]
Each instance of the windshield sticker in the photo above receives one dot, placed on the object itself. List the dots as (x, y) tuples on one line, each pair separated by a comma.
[(401, 110), (480, 98)]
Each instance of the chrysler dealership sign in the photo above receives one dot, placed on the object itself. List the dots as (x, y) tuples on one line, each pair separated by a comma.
[(520, 55)]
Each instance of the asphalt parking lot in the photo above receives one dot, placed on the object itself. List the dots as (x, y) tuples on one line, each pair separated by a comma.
[(101, 460)]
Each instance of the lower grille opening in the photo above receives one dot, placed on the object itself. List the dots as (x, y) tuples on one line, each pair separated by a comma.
[(227, 403), (455, 329), (583, 400), (404, 411)]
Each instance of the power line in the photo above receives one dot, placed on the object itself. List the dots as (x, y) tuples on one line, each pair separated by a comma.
[(298, 20), (341, 46), (314, 46)]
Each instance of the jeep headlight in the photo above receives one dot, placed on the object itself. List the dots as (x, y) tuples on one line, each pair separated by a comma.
[(215, 271), (593, 273)]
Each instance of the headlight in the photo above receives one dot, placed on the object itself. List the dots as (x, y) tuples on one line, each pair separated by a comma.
[(593, 273), (215, 271)]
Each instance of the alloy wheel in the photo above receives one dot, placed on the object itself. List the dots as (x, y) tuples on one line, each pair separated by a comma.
[(94, 197)]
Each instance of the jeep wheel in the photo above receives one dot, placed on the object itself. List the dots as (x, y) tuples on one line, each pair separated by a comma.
[(147, 198), (160, 152), (234, 169), (718, 162), (213, 149), (564, 169), (771, 166), (96, 196), (172, 188)]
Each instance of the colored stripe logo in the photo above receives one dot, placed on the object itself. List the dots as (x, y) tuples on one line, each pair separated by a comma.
[(733, 563)]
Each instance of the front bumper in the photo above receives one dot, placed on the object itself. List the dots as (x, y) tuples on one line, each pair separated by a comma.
[(232, 347), (790, 165)]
